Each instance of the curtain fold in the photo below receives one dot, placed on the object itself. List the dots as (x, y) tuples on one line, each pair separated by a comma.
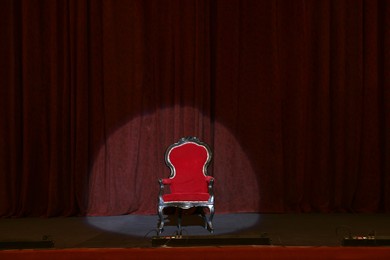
[(292, 96)]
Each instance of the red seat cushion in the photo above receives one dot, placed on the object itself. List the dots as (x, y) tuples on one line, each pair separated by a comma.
[(186, 197)]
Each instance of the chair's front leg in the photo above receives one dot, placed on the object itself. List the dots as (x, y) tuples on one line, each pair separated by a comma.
[(161, 216), (160, 208), (210, 221)]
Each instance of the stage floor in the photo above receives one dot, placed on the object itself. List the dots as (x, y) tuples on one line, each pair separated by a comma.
[(137, 230)]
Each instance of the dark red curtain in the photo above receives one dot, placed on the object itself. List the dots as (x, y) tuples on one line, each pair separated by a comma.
[(292, 96)]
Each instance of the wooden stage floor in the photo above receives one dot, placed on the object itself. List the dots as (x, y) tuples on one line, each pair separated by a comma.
[(136, 231)]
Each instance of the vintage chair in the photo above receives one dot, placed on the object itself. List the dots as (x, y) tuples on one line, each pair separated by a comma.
[(189, 184)]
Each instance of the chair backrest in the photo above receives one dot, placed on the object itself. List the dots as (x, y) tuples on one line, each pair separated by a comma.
[(188, 161)]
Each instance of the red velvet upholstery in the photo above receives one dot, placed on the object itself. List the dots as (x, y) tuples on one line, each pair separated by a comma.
[(189, 184), (186, 197)]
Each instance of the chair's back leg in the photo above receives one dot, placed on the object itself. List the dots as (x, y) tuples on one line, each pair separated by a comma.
[(179, 218)]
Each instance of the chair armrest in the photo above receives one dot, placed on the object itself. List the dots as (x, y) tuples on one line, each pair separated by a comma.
[(166, 181), (209, 179), (162, 183)]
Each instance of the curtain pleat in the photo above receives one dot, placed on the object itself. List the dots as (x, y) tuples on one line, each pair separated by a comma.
[(292, 96)]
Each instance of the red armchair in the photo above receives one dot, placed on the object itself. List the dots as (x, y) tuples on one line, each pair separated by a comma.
[(189, 184)]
